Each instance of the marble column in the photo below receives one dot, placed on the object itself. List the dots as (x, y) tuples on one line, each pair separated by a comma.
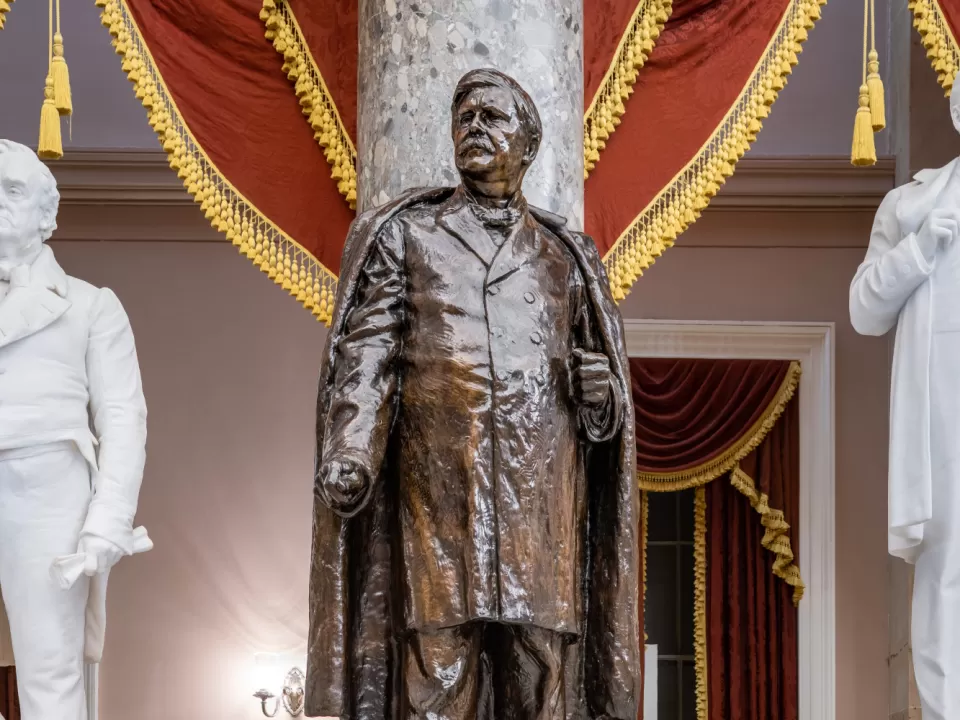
[(413, 52)]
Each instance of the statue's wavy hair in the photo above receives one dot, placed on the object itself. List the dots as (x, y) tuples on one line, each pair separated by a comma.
[(490, 78), (50, 198)]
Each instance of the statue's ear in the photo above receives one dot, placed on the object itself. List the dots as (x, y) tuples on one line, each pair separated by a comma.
[(530, 154), (48, 223)]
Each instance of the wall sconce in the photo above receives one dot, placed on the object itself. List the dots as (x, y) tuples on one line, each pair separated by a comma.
[(291, 696)]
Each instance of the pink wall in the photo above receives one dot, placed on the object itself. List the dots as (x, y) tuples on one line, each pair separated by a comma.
[(230, 366)]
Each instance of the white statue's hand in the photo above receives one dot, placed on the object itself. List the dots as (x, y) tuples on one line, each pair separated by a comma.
[(101, 554), (938, 231)]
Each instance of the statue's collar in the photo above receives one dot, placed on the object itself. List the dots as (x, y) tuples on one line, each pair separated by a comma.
[(46, 272), (930, 174), (919, 198), (507, 216)]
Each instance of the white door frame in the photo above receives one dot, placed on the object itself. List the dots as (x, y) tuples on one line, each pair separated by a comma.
[(812, 344)]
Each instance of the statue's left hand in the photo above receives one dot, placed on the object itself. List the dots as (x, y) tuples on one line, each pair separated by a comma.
[(591, 378), (101, 554)]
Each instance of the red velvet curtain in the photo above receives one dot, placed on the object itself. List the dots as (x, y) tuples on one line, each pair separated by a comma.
[(751, 618), (690, 411), (730, 427), (9, 702)]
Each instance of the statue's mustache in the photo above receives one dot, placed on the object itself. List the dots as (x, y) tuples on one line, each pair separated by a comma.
[(479, 142)]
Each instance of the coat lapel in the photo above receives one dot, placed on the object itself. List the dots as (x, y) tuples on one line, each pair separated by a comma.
[(918, 198), (457, 219), (28, 310), (520, 247)]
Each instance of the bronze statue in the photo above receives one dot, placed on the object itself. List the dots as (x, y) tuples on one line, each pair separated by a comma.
[(476, 526)]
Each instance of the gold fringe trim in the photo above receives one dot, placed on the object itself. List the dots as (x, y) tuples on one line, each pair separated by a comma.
[(775, 539), (607, 106), (729, 458), (4, 9), (682, 201), (700, 599), (286, 263), (939, 42), (316, 102)]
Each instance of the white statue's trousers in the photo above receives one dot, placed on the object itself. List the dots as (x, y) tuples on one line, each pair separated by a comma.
[(936, 593), (43, 503)]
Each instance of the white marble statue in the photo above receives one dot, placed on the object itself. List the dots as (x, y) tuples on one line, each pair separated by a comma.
[(911, 278), (72, 448)]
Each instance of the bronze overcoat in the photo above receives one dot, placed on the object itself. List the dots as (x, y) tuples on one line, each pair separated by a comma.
[(492, 497)]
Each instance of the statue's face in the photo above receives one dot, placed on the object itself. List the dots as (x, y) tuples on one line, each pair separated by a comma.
[(490, 142), (21, 211)]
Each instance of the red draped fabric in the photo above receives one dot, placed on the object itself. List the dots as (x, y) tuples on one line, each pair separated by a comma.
[(951, 11), (226, 81), (604, 24), (730, 428), (691, 411), (751, 618), (704, 58), (9, 702)]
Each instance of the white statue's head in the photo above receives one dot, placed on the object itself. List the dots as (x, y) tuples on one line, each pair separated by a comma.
[(29, 201), (955, 110)]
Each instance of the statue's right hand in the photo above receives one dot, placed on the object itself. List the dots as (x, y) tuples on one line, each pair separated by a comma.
[(341, 485), (938, 231)]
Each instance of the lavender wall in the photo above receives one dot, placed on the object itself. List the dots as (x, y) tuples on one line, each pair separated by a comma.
[(814, 115)]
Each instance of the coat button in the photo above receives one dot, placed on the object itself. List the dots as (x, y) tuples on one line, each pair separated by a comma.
[(529, 297), (493, 289), (536, 338)]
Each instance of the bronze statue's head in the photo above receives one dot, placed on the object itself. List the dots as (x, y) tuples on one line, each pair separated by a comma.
[(496, 131)]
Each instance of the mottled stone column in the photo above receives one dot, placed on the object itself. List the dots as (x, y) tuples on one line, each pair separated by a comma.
[(413, 52)]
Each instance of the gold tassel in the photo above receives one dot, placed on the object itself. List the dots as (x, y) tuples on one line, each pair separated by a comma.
[(61, 78), (864, 151), (50, 146), (878, 115)]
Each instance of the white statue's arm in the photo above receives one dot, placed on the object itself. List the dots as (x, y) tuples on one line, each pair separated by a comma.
[(119, 415), (893, 268)]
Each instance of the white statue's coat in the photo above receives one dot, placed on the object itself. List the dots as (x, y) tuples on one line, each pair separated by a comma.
[(72, 449), (897, 284), (68, 365)]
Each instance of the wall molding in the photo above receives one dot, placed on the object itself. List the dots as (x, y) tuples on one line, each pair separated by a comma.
[(813, 345), (146, 201)]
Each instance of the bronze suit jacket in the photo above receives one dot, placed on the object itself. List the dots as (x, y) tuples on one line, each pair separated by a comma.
[(448, 382), (469, 345)]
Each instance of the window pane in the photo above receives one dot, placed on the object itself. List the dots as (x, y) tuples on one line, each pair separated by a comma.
[(688, 688), (685, 501), (661, 516), (685, 601), (661, 606), (668, 690)]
